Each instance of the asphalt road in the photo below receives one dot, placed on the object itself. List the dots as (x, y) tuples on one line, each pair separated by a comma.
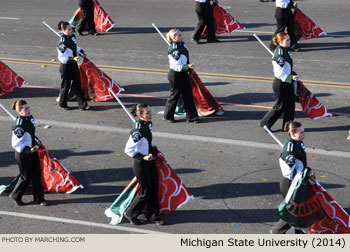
[(228, 162)]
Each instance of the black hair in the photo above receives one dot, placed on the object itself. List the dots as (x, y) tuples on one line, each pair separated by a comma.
[(62, 25), (137, 109)]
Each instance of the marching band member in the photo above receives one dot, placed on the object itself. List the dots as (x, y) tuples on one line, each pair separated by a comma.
[(26, 144), (68, 56), (282, 85), (140, 148), (179, 79)]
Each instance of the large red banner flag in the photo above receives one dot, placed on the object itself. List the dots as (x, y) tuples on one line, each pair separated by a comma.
[(95, 83), (102, 21), (310, 104), (203, 99), (9, 80), (55, 177), (172, 192), (225, 22), (305, 27), (336, 221)]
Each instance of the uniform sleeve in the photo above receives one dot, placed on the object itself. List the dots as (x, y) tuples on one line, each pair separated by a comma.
[(281, 68), (65, 54), (80, 51), (137, 146), (289, 164), (178, 62), (21, 140)]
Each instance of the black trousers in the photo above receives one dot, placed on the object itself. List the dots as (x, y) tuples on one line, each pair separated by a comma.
[(147, 176), (281, 227), (204, 12), (180, 84), (87, 8), (30, 170), (285, 103), (70, 75), (285, 19)]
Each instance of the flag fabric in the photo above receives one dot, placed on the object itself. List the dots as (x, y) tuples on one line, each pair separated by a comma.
[(102, 21), (206, 104), (119, 206), (225, 22), (95, 83), (9, 187), (172, 192), (309, 103), (301, 207), (336, 221), (9, 80), (305, 27), (54, 176)]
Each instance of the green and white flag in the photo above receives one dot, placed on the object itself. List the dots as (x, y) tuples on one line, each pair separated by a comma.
[(301, 208)]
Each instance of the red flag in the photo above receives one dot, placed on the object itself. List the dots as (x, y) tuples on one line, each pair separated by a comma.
[(172, 191), (9, 80), (337, 220), (206, 103), (55, 177), (305, 27), (225, 22), (102, 21), (309, 103), (95, 83)]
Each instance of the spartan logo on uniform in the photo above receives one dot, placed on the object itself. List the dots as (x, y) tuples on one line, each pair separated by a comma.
[(305, 208)]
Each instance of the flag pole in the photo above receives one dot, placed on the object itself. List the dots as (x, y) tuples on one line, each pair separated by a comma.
[(273, 136), (8, 112), (48, 26), (262, 43), (155, 27), (121, 104)]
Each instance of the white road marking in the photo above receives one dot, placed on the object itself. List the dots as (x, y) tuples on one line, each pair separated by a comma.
[(183, 137), (348, 136), (78, 222), (10, 18)]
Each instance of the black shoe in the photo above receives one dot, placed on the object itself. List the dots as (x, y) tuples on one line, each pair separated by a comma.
[(93, 33), (43, 203), (64, 107), (194, 120), (135, 222), (195, 41), (19, 202), (169, 120), (87, 107), (159, 221), (213, 41)]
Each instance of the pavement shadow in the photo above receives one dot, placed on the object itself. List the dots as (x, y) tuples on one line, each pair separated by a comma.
[(62, 154), (237, 190), (91, 177), (324, 46), (256, 25), (333, 128), (29, 92), (337, 34), (143, 30), (7, 158), (237, 216), (345, 110)]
